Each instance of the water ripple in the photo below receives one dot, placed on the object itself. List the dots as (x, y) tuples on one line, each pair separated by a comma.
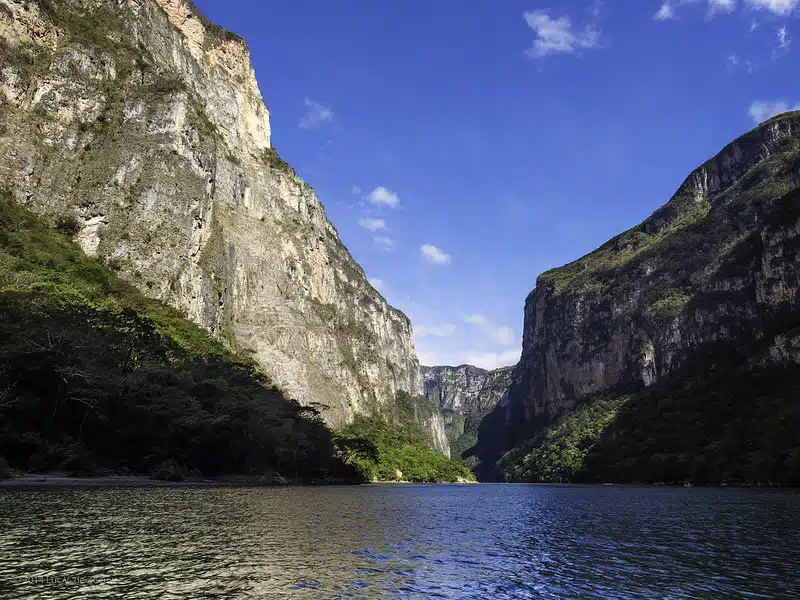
[(485, 541)]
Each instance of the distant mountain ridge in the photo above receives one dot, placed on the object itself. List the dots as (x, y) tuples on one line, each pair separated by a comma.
[(464, 394)]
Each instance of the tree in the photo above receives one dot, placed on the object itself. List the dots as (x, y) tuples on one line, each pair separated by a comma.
[(354, 445)]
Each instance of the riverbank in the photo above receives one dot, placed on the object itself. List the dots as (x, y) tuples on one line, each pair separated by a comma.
[(62, 480)]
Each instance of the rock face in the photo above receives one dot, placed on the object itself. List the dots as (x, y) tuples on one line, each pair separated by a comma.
[(717, 264), (144, 122), (464, 394)]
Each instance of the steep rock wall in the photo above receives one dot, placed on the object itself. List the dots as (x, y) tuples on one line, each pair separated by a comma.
[(144, 121), (464, 394), (718, 263)]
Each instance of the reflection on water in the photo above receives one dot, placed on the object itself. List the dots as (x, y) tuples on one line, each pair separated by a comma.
[(482, 541)]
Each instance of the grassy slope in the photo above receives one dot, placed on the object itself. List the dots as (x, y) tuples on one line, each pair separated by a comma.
[(689, 242), (94, 375)]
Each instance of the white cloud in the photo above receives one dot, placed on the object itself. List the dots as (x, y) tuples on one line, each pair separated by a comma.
[(317, 115), (372, 224), (445, 330), (779, 7), (479, 358), (665, 12), (436, 359), (377, 284), (783, 38), (502, 336), (556, 36), (434, 255), (383, 197), (475, 319), (761, 110), (494, 360), (733, 60), (384, 242), (721, 6)]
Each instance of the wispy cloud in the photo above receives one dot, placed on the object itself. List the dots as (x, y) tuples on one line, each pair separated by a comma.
[(434, 255), (383, 197), (479, 358), (778, 7), (445, 330), (317, 115), (783, 38), (384, 242), (377, 283), (475, 319), (761, 110), (665, 12), (721, 6), (372, 224), (356, 190), (500, 335), (494, 360), (557, 36)]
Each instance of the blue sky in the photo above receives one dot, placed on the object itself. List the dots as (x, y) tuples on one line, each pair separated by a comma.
[(463, 147)]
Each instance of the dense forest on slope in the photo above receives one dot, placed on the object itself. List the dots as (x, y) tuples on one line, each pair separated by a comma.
[(729, 414), (671, 353), (95, 376), (397, 451), (715, 422)]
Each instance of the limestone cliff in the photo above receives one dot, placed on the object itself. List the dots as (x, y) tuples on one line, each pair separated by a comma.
[(144, 122), (717, 264), (464, 394)]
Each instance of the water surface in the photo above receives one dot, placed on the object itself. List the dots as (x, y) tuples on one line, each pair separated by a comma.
[(480, 541)]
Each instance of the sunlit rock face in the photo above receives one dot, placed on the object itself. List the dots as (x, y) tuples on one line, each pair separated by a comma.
[(145, 122), (717, 263)]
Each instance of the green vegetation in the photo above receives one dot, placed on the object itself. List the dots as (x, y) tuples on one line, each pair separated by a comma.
[(214, 31), (272, 159), (27, 59), (384, 452), (729, 414), (412, 413), (717, 420), (103, 30), (95, 376), (684, 220), (667, 302), (462, 443), (557, 454), (685, 237)]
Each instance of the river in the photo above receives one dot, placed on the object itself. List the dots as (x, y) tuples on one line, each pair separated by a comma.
[(412, 541)]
